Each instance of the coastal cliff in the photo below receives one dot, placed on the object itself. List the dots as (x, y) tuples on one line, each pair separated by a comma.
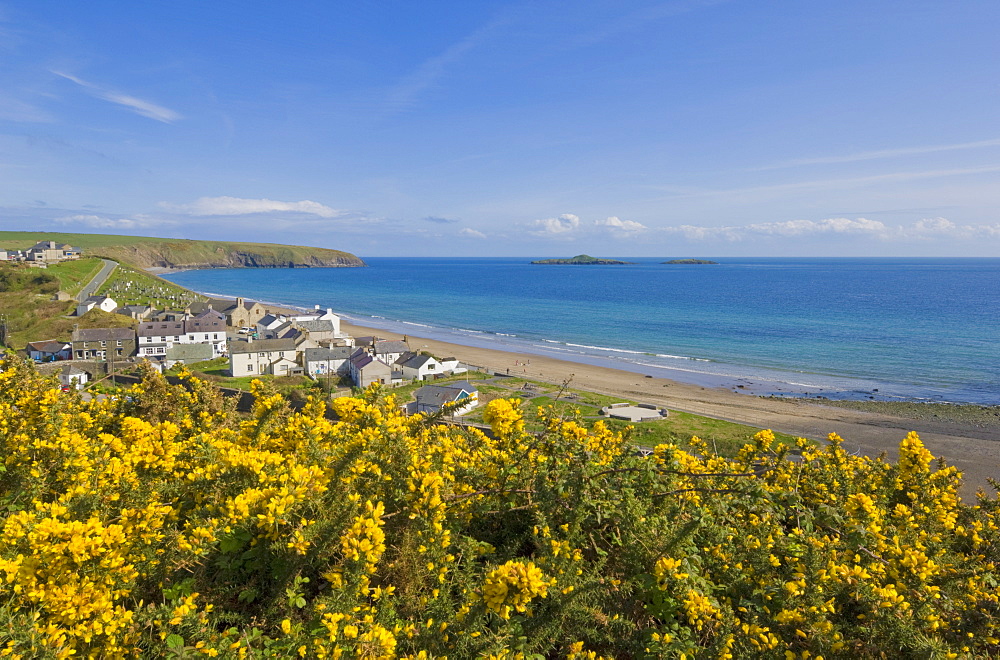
[(149, 252), (207, 254)]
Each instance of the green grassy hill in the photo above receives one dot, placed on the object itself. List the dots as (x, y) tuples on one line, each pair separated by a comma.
[(32, 314), (150, 252)]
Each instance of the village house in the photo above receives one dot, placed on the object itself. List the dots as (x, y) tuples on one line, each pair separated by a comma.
[(277, 357), (103, 303), (418, 367), (48, 251), (430, 398), (365, 369), (155, 337), (238, 313), (49, 350), (321, 362), (74, 377), (269, 324), (209, 327), (137, 312), (104, 344), (388, 350)]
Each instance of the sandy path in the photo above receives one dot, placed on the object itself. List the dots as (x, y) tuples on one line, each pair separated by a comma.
[(975, 450)]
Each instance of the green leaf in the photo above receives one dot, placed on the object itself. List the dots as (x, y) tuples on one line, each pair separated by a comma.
[(175, 642)]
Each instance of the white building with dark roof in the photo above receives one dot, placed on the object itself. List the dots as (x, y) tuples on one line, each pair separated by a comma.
[(419, 367), (277, 357), (321, 362), (103, 303)]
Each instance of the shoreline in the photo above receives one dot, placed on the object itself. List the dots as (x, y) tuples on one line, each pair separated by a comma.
[(876, 428), (972, 446)]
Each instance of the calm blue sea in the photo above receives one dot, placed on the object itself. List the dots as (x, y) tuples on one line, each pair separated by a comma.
[(920, 329)]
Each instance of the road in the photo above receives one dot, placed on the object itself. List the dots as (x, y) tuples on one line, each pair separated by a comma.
[(99, 279)]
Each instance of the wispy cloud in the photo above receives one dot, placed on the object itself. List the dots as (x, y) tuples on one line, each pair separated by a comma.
[(641, 18), (407, 92), (835, 183), (441, 221), (928, 228), (471, 233), (883, 153), (787, 229), (242, 206), (139, 106), (105, 222)]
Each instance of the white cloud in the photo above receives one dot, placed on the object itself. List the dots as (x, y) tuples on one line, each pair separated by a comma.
[(139, 106), (561, 226), (831, 184), (104, 222), (621, 227), (927, 228), (885, 153), (827, 226), (944, 228), (789, 228), (471, 233), (241, 206)]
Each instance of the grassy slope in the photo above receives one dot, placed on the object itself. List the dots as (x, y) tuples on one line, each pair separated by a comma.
[(74, 275), (146, 252), (32, 314), (128, 286)]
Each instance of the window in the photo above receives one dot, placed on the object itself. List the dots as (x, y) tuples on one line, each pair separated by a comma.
[(118, 343), (250, 367), (103, 344)]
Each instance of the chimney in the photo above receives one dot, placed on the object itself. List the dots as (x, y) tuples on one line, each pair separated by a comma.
[(316, 307), (239, 302)]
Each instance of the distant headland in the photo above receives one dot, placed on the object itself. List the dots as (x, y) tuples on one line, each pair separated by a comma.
[(174, 253), (582, 259)]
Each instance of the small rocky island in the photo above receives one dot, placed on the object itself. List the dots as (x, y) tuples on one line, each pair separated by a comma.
[(691, 261), (582, 259)]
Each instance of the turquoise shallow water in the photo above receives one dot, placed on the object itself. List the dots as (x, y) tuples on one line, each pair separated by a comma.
[(923, 329)]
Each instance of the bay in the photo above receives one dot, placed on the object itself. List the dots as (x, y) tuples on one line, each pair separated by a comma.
[(914, 329)]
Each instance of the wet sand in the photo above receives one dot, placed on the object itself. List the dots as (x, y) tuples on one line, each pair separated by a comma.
[(972, 445)]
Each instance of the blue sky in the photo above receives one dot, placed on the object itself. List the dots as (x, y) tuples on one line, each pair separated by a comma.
[(618, 128)]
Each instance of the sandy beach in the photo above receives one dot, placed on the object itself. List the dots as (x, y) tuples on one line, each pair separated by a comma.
[(972, 445)]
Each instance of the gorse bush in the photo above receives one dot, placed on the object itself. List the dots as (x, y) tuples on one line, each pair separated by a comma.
[(160, 523)]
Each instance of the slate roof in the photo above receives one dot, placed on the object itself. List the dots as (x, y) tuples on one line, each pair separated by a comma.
[(104, 334), (438, 395), (160, 329), (390, 346), (415, 361), (208, 321), (47, 346), (261, 346), (326, 354), (314, 325)]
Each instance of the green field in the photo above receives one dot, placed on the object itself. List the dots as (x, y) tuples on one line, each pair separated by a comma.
[(73, 275)]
